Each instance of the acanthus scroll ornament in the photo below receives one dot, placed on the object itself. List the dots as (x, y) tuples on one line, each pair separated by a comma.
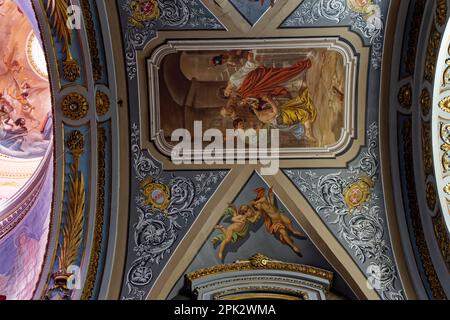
[(165, 206), (363, 17), (362, 228)]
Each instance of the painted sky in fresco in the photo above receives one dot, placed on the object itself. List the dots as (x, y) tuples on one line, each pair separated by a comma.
[(251, 10)]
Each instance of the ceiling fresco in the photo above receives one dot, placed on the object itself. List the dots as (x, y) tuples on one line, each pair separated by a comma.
[(25, 102), (259, 234), (26, 134), (360, 186)]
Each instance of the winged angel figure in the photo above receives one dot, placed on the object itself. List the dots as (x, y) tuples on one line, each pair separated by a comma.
[(241, 220), (276, 223)]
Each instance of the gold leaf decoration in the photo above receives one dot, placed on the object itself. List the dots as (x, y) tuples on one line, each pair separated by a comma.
[(74, 106), (441, 12), (73, 227), (102, 103), (405, 96), (434, 41), (59, 14), (99, 217), (425, 102), (447, 189), (431, 195), (444, 104), (427, 148)]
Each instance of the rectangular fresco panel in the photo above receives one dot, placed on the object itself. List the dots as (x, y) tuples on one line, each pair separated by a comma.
[(305, 91)]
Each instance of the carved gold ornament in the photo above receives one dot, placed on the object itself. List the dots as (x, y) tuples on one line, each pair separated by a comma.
[(441, 12), (102, 103), (99, 216), (92, 40), (442, 237), (73, 228), (444, 104), (259, 262), (71, 69), (143, 11), (446, 74), (156, 195), (427, 149), (74, 106), (361, 6), (73, 214), (425, 102), (405, 96), (59, 13), (431, 195), (434, 41), (445, 136), (358, 193), (447, 189)]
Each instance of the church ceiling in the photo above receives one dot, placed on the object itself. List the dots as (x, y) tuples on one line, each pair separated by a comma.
[(357, 220)]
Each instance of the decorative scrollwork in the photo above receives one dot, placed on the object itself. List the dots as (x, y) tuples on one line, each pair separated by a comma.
[(74, 106), (366, 19), (364, 229), (145, 18), (159, 226)]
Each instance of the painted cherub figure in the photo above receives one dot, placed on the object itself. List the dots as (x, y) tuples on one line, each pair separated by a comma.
[(241, 219), (275, 221)]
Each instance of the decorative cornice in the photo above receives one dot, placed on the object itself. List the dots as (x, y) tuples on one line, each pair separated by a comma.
[(259, 262)]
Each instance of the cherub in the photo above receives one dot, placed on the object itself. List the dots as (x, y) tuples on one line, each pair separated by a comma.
[(241, 219), (276, 222)]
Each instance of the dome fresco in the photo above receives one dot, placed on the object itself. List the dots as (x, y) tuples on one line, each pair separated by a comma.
[(25, 101)]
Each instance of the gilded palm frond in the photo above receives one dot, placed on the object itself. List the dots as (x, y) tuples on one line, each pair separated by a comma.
[(58, 11), (73, 229)]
